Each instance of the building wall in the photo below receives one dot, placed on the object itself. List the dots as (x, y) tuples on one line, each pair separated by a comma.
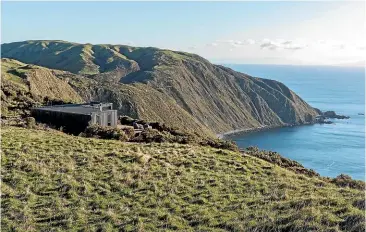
[(105, 118), (71, 123)]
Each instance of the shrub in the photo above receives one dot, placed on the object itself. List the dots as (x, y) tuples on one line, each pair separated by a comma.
[(30, 122), (163, 127), (344, 180), (275, 158), (96, 131), (129, 131), (220, 144), (54, 101), (149, 136), (126, 120), (160, 132)]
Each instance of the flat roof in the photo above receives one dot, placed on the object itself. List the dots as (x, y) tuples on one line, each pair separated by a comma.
[(86, 109)]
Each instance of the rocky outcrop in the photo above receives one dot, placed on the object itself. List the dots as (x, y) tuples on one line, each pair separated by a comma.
[(323, 116), (332, 114)]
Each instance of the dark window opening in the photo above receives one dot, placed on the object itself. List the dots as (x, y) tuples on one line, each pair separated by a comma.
[(106, 108), (109, 119)]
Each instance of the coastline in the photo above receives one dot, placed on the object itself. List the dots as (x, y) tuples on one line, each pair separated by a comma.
[(242, 131), (236, 132)]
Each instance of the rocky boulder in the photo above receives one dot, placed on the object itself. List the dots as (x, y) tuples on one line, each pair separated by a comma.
[(332, 114)]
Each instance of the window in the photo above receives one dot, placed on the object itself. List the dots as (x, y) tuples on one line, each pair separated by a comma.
[(109, 119), (106, 108)]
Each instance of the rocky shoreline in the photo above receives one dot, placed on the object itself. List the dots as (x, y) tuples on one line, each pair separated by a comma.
[(242, 131), (321, 119), (233, 133)]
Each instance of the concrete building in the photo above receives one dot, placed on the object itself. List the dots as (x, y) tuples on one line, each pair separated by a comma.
[(75, 118)]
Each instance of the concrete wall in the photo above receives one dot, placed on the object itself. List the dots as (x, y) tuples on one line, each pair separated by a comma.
[(105, 118), (75, 123)]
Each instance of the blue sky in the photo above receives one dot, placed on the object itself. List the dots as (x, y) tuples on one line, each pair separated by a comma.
[(235, 32)]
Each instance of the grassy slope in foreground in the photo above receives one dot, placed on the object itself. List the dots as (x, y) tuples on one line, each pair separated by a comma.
[(53, 181)]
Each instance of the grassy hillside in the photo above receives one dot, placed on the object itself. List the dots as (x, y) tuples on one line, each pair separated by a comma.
[(73, 57), (52, 182), (24, 86), (143, 102), (216, 97)]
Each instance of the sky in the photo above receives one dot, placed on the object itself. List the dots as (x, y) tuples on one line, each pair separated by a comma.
[(296, 33)]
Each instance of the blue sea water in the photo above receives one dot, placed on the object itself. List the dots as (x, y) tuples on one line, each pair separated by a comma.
[(329, 149)]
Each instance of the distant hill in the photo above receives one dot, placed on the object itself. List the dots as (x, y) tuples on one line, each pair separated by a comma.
[(177, 87)]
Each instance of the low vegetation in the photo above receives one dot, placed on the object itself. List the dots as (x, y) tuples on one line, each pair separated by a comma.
[(52, 181), (275, 158), (95, 131), (160, 132), (346, 181), (150, 135)]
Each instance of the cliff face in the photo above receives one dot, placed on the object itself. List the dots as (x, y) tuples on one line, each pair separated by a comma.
[(221, 98), (180, 88)]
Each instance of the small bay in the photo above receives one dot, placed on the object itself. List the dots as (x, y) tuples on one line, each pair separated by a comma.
[(329, 149)]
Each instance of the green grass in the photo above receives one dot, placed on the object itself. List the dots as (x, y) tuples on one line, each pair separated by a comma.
[(24, 86), (10, 71), (56, 182)]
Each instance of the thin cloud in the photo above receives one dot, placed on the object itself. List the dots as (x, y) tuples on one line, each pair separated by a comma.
[(250, 41), (269, 45), (293, 45), (332, 44), (279, 44), (236, 43), (213, 44)]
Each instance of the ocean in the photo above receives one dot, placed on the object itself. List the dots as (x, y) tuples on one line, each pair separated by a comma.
[(329, 149)]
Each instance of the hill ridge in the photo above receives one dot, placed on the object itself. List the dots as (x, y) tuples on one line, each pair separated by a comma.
[(218, 97)]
